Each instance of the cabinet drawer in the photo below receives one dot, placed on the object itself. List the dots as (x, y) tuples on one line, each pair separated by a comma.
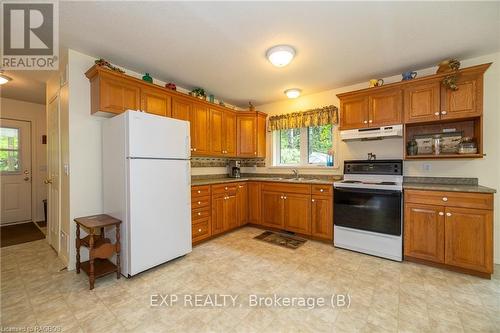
[(224, 189), (322, 189), (286, 188), (201, 213), (200, 230), (200, 202), (450, 199), (200, 191)]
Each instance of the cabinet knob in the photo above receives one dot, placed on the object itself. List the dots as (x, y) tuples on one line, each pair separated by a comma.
[(370, 121), (194, 149), (321, 190), (448, 214), (365, 122), (281, 197), (441, 213), (199, 230), (284, 198), (199, 191), (312, 200), (436, 113), (240, 186), (255, 153), (199, 202), (444, 112), (225, 188), (199, 213), (445, 199), (191, 149)]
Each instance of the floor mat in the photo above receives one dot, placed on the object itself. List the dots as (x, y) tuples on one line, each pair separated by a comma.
[(283, 240), (19, 233)]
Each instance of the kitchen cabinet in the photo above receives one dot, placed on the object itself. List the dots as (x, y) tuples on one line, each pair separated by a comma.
[(181, 108), (155, 101), (354, 112), (242, 203), (422, 102), (424, 232), (466, 101), (322, 216), (200, 122), (222, 132), (297, 213), (251, 131), (201, 228), (224, 207), (450, 228), (112, 94), (385, 108), (272, 209), (254, 211)]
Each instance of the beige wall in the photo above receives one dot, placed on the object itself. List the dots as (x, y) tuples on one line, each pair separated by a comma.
[(486, 169), (35, 113)]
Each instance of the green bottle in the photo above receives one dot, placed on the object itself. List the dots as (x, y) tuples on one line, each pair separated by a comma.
[(147, 78)]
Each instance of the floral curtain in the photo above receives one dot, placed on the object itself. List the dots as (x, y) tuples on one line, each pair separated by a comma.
[(315, 117)]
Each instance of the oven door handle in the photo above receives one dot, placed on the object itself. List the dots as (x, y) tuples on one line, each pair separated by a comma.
[(369, 191)]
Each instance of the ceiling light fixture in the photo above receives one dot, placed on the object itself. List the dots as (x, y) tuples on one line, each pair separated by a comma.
[(292, 93), (4, 78), (280, 55)]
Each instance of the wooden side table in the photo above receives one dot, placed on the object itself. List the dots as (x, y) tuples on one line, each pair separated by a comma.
[(100, 247)]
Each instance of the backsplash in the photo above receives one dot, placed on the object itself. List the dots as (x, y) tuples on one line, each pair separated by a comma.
[(216, 162)]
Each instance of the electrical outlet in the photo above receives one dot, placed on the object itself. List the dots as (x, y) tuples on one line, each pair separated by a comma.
[(426, 167)]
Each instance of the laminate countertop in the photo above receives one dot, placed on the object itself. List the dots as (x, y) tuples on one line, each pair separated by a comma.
[(448, 187), (211, 181)]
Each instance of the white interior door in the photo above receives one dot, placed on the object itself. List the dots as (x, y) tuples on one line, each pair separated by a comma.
[(53, 172), (15, 169)]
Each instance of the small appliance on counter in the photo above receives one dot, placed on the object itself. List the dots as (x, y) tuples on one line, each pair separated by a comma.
[(233, 168)]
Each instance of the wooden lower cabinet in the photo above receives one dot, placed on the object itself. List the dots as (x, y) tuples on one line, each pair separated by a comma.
[(242, 203), (272, 209), (469, 238), (254, 211), (297, 213), (322, 217), (424, 232), (459, 238), (201, 229)]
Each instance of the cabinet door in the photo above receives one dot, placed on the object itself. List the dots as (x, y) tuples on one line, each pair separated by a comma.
[(254, 211), (354, 112), (247, 136), (181, 108), (229, 134), (322, 217), (218, 214), (117, 95), (200, 122), (421, 102), (463, 102), (216, 131), (386, 108), (469, 238), (242, 198), (156, 102), (261, 135), (271, 204), (424, 232), (230, 212), (297, 213)]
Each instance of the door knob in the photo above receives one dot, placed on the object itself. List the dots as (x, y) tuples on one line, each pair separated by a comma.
[(26, 179), (46, 181)]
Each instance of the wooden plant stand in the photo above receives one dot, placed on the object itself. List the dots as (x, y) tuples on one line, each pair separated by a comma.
[(100, 247)]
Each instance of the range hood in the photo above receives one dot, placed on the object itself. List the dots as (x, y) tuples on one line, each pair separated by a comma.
[(375, 133)]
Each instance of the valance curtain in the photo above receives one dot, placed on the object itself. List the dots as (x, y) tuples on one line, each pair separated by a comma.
[(315, 117)]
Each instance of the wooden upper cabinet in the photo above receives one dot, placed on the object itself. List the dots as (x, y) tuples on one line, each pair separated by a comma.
[(322, 216), (216, 129), (110, 94), (200, 123), (385, 108), (466, 101), (155, 101), (297, 213), (247, 135), (229, 133), (261, 134), (222, 132), (181, 108), (469, 238), (422, 102), (354, 112), (424, 232)]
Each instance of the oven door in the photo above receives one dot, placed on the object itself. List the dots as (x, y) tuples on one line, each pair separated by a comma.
[(368, 209)]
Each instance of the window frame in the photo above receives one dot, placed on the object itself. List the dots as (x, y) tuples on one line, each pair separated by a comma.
[(304, 150)]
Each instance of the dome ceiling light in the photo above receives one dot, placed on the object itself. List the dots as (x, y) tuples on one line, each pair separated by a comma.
[(293, 93), (4, 78), (280, 55)]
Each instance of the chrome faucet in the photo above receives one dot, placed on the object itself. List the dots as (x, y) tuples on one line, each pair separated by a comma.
[(295, 173), (372, 157)]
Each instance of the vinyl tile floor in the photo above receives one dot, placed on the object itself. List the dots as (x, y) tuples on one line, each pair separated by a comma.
[(274, 289)]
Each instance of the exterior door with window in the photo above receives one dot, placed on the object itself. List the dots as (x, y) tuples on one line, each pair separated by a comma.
[(15, 169)]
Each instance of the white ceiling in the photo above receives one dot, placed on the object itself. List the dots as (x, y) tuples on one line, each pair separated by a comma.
[(28, 86), (221, 46)]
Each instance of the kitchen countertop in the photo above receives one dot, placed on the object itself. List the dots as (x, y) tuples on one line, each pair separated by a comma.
[(448, 187), (210, 181)]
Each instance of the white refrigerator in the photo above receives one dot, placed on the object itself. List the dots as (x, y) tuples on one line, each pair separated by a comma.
[(147, 185)]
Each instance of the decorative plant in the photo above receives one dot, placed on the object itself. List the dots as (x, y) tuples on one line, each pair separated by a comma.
[(198, 92), (104, 63)]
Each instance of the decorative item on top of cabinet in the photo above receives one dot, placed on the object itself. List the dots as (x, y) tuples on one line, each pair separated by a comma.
[(452, 229), (446, 66), (375, 83), (171, 86), (147, 78), (104, 63), (409, 75)]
